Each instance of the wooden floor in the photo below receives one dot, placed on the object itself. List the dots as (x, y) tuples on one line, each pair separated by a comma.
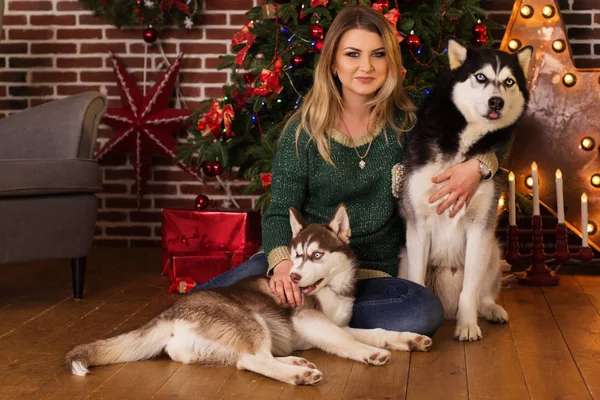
[(549, 350)]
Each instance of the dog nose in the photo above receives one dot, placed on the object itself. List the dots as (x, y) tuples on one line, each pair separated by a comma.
[(496, 103), (295, 277)]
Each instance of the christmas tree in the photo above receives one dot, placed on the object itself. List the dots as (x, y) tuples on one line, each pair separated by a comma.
[(273, 62)]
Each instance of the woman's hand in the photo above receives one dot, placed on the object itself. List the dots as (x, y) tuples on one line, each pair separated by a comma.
[(282, 285), (463, 180)]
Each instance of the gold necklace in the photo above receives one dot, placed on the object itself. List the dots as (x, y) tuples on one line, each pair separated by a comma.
[(362, 164)]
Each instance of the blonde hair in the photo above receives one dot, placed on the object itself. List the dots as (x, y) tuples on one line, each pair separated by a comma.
[(323, 104)]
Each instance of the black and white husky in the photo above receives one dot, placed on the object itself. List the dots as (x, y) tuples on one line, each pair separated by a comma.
[(469, 112), (247, 326)]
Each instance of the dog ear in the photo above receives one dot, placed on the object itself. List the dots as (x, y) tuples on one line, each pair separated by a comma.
[(524, 56), (457, 53), (296, 221), (340, 223)]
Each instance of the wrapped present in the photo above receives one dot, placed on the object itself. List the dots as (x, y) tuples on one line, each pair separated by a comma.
[(198, 245)]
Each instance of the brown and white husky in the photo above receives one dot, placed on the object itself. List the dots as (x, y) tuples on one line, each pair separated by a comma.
[(247, 326)]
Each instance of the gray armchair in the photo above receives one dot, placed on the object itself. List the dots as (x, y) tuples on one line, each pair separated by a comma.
[(47, 182)]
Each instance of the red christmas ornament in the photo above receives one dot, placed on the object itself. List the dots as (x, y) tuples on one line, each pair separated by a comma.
[(318, 46), (479, 29), (297, 61), (249, 78), (302, 17), (316, 31), (218, 168), (201, 202), (382, 3), (266, 179), (150, 35), (144, 125), (479, 41), (208, 169), (413, 42)]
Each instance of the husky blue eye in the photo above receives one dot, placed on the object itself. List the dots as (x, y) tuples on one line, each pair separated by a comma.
[(480, 77), (509, 82), (318, 255)]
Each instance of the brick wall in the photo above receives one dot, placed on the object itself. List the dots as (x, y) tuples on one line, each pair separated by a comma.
[(55, 48)]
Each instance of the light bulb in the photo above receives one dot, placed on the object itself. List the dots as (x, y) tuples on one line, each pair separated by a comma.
[(569, 80), (514, 44), (526, 11), (559, 45), (595, 180), (529, 182), (592, 228), (588, 144), (548, 11)]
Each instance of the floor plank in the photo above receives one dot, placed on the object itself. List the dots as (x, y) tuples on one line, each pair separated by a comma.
[(195, 382), (591, 286), (549, 369), (387, 382), (579, 324), (493, 368), (440, 371)]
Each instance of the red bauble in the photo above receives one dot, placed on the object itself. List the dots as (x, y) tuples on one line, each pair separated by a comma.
[(217, 168), (249, 78), (302, 17), (479, 29), (150, 35), (413, 42), (316, 31), (479, 41), (297, 61), (318, 46), (383, 3), (201, 202), (212, 169)]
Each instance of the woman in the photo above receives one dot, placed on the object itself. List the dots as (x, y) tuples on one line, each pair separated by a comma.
[(341, 147)]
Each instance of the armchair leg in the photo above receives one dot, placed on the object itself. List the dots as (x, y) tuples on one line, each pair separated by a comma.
[(78, 273)]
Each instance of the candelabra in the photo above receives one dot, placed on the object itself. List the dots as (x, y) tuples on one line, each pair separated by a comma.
[(538, 273)]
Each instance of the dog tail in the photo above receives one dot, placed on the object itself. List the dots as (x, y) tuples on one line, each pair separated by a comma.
[(140, 344)]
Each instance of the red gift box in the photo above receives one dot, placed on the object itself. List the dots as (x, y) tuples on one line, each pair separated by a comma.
[(199, 245)]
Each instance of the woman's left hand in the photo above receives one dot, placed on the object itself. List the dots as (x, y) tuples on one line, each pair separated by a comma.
[(463, 180)]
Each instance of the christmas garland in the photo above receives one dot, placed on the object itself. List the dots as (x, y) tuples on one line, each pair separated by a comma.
[(158, 13)]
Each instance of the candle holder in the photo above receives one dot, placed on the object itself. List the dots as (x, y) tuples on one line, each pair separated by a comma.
[(538, 273)]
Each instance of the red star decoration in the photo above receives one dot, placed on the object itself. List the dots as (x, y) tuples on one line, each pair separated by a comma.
[(144, 125)]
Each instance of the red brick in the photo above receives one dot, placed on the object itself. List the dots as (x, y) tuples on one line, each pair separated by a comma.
[(98, 230), (597, 49), (580, 49), (29, 5), (111, 242), (79, 34), (88, 76), (91, 20), (201, 189), (212, 92), (52, 20), (173, 203), (129, 62), (145, 243), (203, 48), (190, 91), (585, 5), (23, 91), (114, 33), (187, 62), (497, 5), (16, 62), (2, 91), (119, 174), (157, 231), (577, 19), (30, 34), (126, 202), (238, 20), (501, 18), (212, 62), (39, 76), (156, 189), (13, 104), (597, 18), (583, 33), (52, 48), (139, 48), (205, 77), (228, 4), (145, 216), (13, 48), (12, 76), (112, 216), (212, 19), (128, 231), (15, 20), (220, 34), (70, 6), (174, 175), (587, 62), (103, 48), (183, 34), (69, 90), (78, 62), (114, 188)]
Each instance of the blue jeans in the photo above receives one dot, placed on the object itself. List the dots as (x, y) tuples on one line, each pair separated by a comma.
[(390, 303)]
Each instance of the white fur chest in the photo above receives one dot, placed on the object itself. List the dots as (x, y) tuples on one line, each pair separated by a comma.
[(337, 309)]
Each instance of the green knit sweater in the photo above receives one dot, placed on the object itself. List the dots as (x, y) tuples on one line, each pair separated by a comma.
[(303, 180)]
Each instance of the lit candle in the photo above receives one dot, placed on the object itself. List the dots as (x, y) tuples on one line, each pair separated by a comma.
[(559, 197), (536, 189), (512, 212), (584, 221)]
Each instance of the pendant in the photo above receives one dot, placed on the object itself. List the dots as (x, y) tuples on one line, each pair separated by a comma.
[(362, 164)]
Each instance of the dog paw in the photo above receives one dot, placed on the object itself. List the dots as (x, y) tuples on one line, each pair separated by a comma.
[(407, 341), (299, 361), (379, 357), (467, 332), (420, 343), (308, 376), (495, 313)]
